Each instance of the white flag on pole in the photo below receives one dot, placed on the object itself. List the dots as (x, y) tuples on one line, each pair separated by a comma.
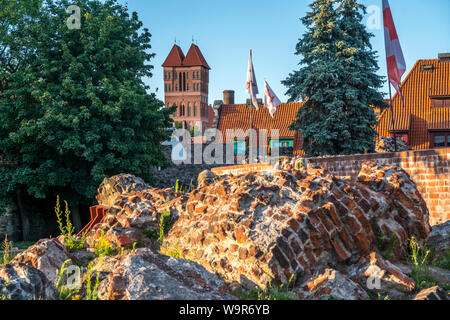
[(251, 85), (271, 100)]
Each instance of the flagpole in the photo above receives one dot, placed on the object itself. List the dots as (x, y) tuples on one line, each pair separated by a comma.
[(392, 115), (264, 119)]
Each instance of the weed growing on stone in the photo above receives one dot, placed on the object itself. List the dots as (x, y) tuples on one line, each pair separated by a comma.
[(6, 247), (419, 260), (174, 252), (103, 247), (270, 292), (163, 230), (386, 245), (71, 241), (64, 292), (164, 225), (92, 293)]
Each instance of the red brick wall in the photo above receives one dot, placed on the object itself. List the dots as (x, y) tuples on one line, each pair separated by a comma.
[(429, 169)]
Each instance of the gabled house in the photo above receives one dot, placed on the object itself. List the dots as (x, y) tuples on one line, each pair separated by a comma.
[(234, 121), (424, 119)]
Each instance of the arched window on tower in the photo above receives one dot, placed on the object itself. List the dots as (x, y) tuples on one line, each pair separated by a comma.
[(189, 109), (195, 109)]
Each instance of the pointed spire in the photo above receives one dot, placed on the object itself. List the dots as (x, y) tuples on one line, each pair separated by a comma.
[(175, 57), (195, 57)]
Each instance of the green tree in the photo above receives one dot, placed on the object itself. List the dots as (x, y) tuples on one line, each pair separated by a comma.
[(74, 107), (337, 80)]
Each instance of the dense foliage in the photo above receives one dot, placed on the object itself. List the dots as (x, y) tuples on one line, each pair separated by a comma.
[(73, 104)]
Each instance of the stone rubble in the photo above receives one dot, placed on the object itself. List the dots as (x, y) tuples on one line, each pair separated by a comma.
[(323, 232), (381, 277), (433, 293), (290, 222), (329, 285), (145, 275), (134, 212), (47, 256), (23, 282)]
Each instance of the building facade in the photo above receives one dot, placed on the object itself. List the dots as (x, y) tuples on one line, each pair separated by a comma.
[(234, 121), (186, 86), (423, 118)]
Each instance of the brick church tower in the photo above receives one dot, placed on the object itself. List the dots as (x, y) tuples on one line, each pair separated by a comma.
[(186, 81)]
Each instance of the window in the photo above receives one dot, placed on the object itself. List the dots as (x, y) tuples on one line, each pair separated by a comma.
[(187, 87), (239, 148), (440, 139), (176, 111), (195, 109), (165, 87), (404, 136), (198, 77), (193, 75), (187, 75), (189, 110), (281, 143), (285, 147), (440, 103), (176, 87)]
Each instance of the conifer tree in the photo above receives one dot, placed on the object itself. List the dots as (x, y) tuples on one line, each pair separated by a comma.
[(337, 80)]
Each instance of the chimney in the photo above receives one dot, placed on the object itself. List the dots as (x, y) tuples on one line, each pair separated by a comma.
[(228, 97), (249, 102), (217, 107), (444, 57)]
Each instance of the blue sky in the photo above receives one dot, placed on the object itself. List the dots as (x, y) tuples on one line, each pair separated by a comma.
[(226, 30)]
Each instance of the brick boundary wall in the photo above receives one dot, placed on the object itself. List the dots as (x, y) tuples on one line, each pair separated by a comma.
[(429, 169)]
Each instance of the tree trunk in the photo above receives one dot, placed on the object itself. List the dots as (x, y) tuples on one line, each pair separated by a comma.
[(76, 216), (23, 217)]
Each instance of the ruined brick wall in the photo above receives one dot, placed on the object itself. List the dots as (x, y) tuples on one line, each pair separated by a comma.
[(291, 223), (429, 169)]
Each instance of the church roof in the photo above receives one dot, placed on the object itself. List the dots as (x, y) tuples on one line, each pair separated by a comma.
[(195, 57), (175, 57)]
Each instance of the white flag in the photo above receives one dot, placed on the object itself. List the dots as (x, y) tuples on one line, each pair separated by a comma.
[(251, 85), (271, 100)]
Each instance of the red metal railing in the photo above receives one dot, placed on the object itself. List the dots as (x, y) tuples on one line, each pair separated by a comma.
[(97, 214)]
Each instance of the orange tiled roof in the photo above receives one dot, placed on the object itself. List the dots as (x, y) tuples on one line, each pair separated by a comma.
[(237, 116), (195, 57), (417, 116), (175, 57)]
